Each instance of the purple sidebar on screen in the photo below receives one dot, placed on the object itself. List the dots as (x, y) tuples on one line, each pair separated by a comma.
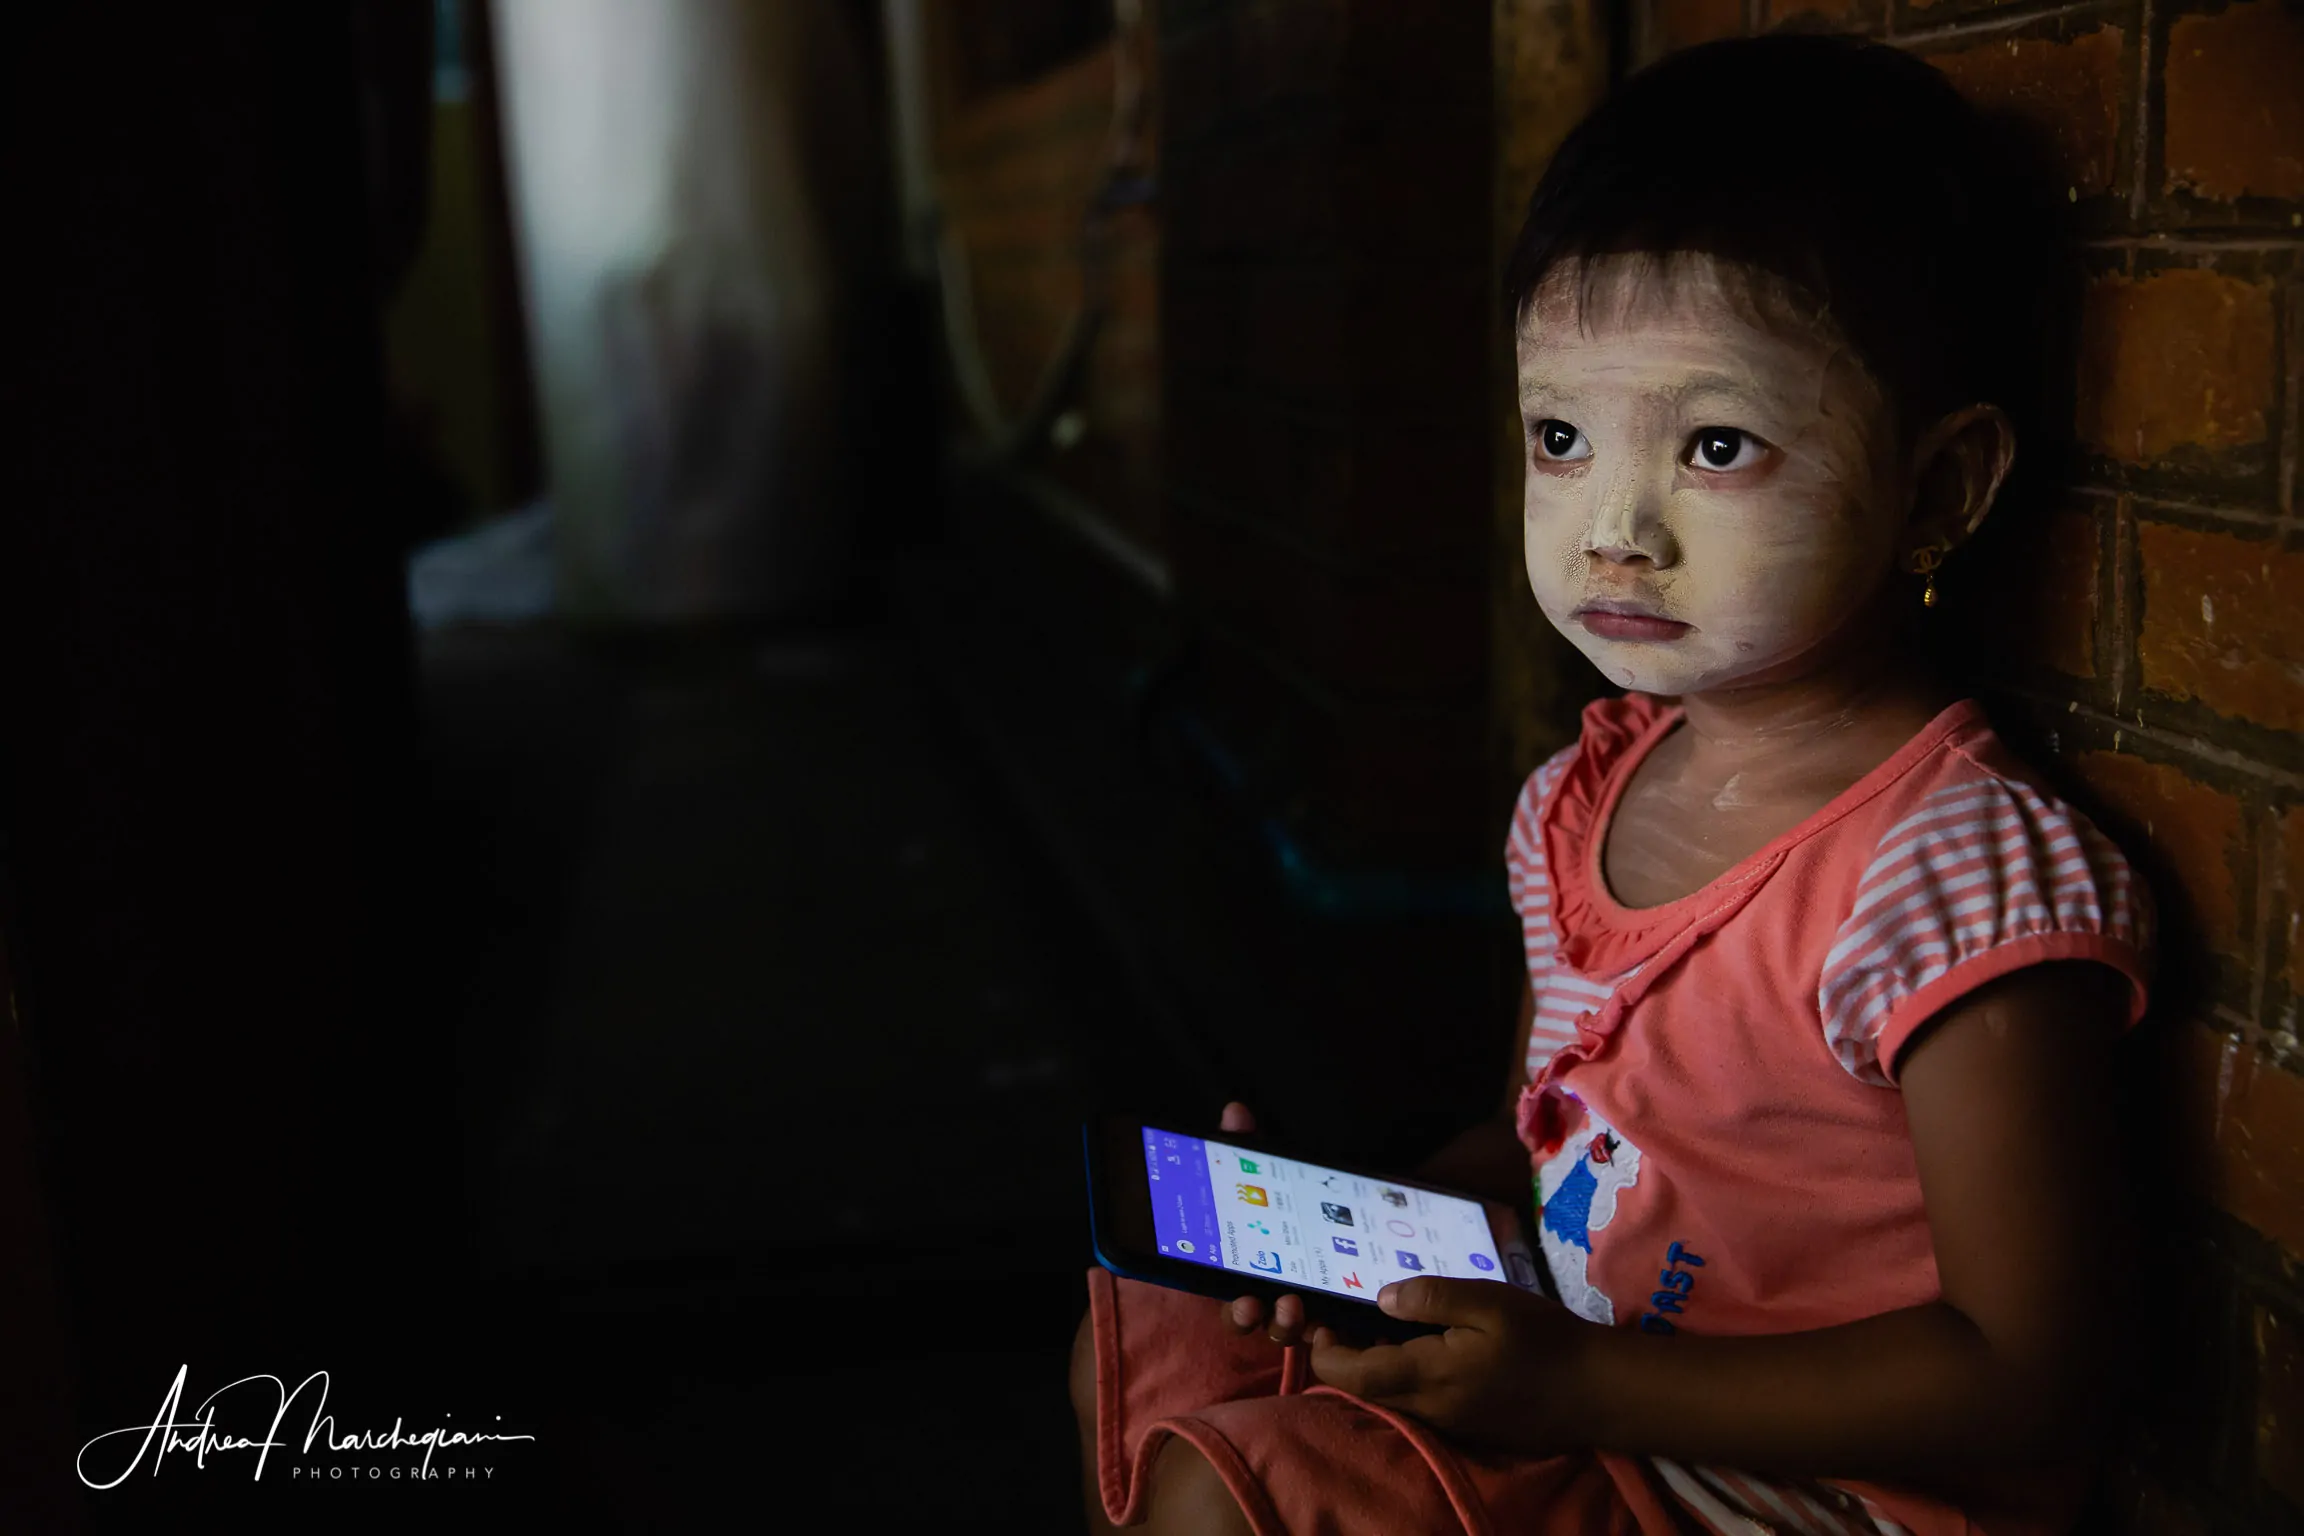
[(1183, 1200)]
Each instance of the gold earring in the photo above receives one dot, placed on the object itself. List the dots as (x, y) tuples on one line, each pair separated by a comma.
[(1925, 562)]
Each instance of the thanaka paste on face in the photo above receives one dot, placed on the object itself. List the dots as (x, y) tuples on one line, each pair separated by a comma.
[(1765, 564)]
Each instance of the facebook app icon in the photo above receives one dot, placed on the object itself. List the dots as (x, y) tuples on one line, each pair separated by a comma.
[(1346, 1245)]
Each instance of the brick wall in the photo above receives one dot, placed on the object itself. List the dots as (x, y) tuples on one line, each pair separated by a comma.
[(1015, 171), (2154, 617), (1326, 170)]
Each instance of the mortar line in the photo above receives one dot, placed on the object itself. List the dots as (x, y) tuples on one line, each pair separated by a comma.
[(2120, 626), (2198, 748), (2246, 517), (2181, 244), (2291, 377), (2007, 22), (2236, 1022), (2142, 165), (2264, 838)]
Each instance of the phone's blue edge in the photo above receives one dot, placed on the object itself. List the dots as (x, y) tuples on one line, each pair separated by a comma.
[(1095, 1207)]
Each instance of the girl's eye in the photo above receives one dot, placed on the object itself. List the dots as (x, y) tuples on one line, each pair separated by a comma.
[(1724, 448), (1559, 441)]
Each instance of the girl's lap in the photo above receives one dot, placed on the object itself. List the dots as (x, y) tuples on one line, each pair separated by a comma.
[(1300, 1458)]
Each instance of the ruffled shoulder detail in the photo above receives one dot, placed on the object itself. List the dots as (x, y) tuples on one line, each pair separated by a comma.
[(1611, 728), (1983, 874)]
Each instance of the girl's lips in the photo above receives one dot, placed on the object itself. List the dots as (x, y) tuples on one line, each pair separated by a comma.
[(1609, 625)]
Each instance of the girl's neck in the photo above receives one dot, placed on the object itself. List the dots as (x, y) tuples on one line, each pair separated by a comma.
[(1853, 710)]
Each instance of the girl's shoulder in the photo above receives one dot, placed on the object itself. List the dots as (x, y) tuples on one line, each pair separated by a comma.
[(1958, 809), (1961, 783), (1965, 865)]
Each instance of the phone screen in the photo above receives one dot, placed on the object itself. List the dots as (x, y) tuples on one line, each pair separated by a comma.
[(1304, 1225)]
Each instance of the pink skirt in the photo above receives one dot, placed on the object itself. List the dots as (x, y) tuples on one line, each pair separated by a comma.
[(1307, 1460)]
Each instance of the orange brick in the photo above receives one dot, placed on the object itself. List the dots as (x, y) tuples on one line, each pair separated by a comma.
[(2242, 1123), (2192, 828), (2069, 90), (1680, 23), (2221, 623), (2235, 102), (2280, 1402), (2181, 358)]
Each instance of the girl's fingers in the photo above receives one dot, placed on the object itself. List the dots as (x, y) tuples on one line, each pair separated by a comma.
[(1283, 1322), (1237, 1119), (1287, 1320)]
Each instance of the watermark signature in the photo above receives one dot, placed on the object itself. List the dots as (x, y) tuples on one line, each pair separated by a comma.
[(199, 1437)]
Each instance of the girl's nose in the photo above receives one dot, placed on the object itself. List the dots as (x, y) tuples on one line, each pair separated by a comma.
[(1627, 531), (1618, 552)]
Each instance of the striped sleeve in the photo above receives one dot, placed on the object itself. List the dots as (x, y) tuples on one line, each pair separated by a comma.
[(1721, 1502), (1983, 877), (1524, 870)]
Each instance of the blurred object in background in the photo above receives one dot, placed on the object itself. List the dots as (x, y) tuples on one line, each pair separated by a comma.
[(455, 353), (1027, 173), (498, 573), (687, 256)]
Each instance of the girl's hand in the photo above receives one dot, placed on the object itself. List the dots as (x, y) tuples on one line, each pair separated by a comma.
[(1505, 1372), (1284, 1326), (1285, 1322)]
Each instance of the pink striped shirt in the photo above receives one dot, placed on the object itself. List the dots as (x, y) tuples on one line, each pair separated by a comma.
[(1712, 1112)]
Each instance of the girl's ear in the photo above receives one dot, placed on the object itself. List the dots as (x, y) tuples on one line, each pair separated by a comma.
[(1957, 469)]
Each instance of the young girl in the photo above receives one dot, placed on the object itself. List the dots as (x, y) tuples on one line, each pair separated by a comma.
[(1813, 1069)]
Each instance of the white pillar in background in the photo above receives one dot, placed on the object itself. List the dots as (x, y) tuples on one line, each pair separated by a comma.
[(683, 296)]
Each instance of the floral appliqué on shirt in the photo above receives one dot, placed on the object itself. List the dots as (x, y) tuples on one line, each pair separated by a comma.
[(1576, 1189)]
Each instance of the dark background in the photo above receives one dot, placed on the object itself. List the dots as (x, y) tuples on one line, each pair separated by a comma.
[(670, 1037)]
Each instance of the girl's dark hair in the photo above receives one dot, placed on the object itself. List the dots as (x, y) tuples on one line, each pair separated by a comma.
[(1854, 175)]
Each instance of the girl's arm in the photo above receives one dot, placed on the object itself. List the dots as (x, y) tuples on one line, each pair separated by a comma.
[(2009, 1097)]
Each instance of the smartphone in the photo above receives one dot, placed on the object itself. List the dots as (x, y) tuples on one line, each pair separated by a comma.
[(1231, 1215)]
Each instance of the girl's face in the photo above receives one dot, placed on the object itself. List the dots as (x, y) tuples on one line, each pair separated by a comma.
[(1711, 500)]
